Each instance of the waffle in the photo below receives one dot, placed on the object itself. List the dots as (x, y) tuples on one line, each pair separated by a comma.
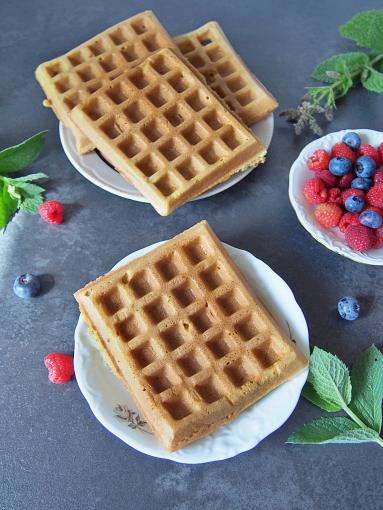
[(209, 51), (166, 132), (187, 336), (70, 79)]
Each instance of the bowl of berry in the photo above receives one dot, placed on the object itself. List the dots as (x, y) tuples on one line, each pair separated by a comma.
[(336, 190)]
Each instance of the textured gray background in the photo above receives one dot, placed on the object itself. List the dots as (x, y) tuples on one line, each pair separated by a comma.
[(54, 453)]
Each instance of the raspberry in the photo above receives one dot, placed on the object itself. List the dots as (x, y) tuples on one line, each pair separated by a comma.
[(348, 219), (346, 180), (380, 149), (52, 212), (378, 238), (319, 161), (328, 178), (60, 367), (378, 176), (350, 192), (375, 195), (359, 237), (368, 150), (315, 191), (328, 215), (344, 151), (334, 196)]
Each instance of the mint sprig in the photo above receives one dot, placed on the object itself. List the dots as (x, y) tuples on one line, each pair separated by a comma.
[(360, 395), (341, 72), (20, 193)]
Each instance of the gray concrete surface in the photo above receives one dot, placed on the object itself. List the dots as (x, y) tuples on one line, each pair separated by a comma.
[(54, 454)]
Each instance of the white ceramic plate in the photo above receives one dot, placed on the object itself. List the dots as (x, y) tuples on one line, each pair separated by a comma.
[(333, 239), (102, 175), (113, 406)]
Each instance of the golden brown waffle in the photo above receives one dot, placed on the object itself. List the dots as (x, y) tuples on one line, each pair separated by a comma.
[(209, 51), (166, 132), (187, 336), (70, 79)]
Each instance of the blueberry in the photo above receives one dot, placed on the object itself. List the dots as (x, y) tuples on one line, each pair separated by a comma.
[(362, 183), (365, 166), (371, 219), (349, 308), (352, 140), (340, 165), (354, 203), (26, 286)]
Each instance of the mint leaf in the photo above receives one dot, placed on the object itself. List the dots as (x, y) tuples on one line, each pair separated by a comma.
[(351, 62), (8, 206), (31, 204), (20, 156), (30, 177), (330, 378), (366, 29), (27, 188), (367, 384), (312, 396), (332, 430), (373, 81)]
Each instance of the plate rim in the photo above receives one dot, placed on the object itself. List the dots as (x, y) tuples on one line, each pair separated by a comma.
[(299, 380), (316, 231)]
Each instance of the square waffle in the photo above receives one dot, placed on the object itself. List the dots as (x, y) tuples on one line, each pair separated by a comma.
[(70, 79), (185, 333), (166, 132), (209, 51)]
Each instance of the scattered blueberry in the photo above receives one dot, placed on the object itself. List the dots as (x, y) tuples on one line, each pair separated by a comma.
[(354, 203), (349, 308), (362, 183), (371, 219), (365, 166), (26, 286), (352, 139), (340, 165)]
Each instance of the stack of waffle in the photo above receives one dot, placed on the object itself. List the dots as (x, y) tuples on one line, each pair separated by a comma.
[(187, 336), (170, 115)]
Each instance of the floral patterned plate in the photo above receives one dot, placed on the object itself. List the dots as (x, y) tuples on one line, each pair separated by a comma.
[(112, 405)]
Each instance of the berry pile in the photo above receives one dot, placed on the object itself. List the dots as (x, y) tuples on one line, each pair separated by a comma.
[(348, 191)]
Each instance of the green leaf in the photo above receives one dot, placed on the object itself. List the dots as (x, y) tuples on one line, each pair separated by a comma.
[(31, 204), (20, 156), (8, 206), (367, 387), (332, 430), (26, 187), (330, 378), (366, 29), (312, 396), (30, 177), (373, 81), (351, 62)]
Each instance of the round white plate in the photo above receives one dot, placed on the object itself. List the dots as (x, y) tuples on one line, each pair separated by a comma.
[(113, 406), (333, 239), (96, 170)]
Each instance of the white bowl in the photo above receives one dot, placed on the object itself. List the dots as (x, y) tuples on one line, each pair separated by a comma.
[(333, 239), (112, 404), (97, 171)]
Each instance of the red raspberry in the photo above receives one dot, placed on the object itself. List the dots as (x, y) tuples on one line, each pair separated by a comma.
[(315, 191), (350, 218), (368, 150), (359, 237), (378, 238), (328, 215), (328, 178), (380, 149), (319, 161), (375, 195), (378, 176), (346, 180), (60, 367), (334, 196), (350, 192), (342, 150), (52, 212)]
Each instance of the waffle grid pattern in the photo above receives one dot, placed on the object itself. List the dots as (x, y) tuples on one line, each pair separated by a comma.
[(165, 125), (208, 50), (189, 327)]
